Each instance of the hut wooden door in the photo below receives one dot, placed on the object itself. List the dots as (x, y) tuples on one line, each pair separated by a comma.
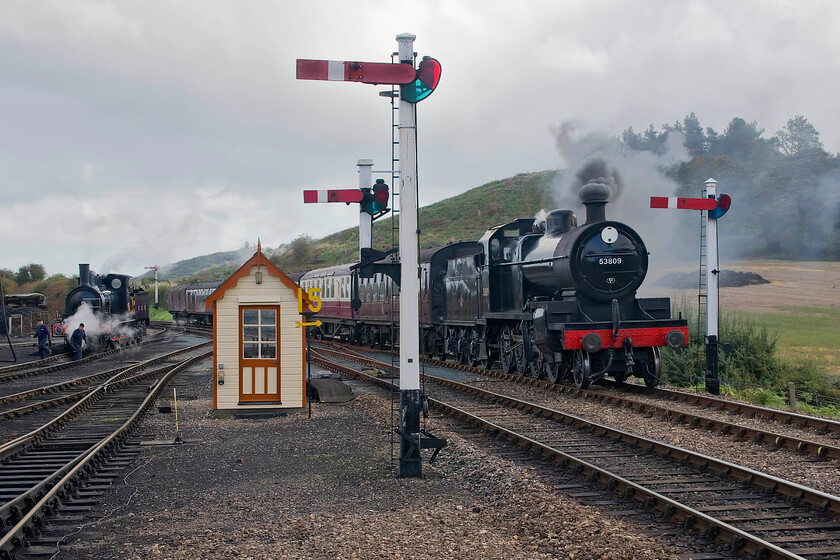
[(259, 354)]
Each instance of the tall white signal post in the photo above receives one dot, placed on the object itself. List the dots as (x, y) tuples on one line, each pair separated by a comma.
[(715, 207), (410, 397), (415, 85), (155, 268)]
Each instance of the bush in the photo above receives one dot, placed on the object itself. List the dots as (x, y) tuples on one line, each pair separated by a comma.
[(748, 366)]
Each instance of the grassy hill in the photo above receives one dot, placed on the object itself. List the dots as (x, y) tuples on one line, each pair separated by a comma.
[(460, 218), (212, 266)]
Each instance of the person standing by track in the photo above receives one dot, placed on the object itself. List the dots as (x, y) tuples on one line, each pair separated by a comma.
[(42, 333), (77, 338)]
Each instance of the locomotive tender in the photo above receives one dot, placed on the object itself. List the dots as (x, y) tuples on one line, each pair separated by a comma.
[(551, 301), (120, 311)]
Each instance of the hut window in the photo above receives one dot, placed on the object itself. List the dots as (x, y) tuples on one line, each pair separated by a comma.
[(259, 333)]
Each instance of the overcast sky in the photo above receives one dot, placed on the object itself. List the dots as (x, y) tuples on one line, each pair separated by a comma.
[(142, 132)]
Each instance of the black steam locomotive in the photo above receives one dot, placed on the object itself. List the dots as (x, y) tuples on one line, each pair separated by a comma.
[(551, 300), (113, 312)]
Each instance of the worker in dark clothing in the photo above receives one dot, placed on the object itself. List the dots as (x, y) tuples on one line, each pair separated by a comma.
[(42, 333), (76, 340)]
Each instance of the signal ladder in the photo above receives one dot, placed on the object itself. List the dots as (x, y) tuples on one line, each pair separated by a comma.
[(702, 287), (395, 237)]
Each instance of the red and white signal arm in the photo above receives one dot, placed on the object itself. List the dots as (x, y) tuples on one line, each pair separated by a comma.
[(347, 71), (336, 195), (716, 207), (683, 203)]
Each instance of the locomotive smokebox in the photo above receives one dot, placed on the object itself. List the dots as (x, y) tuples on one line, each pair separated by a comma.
[(595, 197)]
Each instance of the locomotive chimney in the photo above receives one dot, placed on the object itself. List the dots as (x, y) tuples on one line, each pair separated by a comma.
[(595, 197), (84, 275)]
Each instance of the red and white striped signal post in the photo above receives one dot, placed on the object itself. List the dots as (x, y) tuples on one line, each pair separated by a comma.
[(715, 208), (415, 85)]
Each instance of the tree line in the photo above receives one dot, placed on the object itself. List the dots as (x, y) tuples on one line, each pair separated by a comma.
[(785, 189)]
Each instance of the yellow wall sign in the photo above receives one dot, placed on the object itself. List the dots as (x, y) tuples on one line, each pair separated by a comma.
[(314, 303)]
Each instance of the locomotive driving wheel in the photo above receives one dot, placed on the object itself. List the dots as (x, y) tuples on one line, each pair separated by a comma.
[(506, 358), (483, 363), (441, 350), (465, 339), (651, 368), (582, 369), (551, 371), (520, 362), (526, 367)]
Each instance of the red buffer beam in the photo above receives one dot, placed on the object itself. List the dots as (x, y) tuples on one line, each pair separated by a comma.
[(365, 72), (683, 203), (339, 195)]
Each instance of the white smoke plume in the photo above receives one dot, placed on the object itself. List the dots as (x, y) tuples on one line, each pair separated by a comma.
[(633, 177), (539, 219), (98, 324)]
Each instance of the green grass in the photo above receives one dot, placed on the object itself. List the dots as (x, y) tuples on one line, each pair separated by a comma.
[(805, 335), (766, 352), (160, 314)]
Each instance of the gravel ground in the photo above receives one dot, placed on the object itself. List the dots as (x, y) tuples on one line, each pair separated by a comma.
[(294, 487), (802, 469)]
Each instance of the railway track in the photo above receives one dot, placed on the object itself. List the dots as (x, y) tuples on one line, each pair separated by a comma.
[(20, 397), (755, 513), (59, 468), (64, 360), (17, 404), (809, 435)]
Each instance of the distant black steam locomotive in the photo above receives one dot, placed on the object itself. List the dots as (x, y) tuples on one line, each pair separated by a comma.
[(113, 312), (551, 301)]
